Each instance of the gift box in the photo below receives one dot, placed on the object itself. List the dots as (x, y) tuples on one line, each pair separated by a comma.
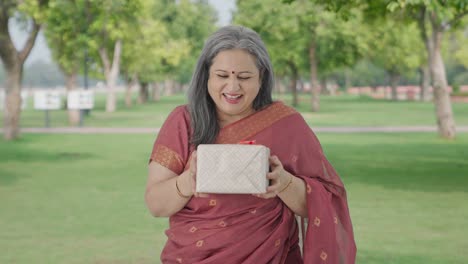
[(232, 168)]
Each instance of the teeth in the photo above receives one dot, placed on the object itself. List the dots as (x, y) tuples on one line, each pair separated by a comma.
[(232, 96)]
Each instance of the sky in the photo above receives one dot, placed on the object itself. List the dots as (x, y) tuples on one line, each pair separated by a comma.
[(42, 52)]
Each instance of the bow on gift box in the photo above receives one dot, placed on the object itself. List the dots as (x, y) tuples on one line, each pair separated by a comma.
[(247, 142)]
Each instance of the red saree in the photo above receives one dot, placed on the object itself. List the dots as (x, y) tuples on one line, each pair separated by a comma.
[(243, 228)]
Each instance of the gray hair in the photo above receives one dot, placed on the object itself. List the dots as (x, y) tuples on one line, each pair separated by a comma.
[(202, 109)]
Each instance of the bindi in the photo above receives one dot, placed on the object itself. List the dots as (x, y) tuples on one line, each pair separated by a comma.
[(233, 72)]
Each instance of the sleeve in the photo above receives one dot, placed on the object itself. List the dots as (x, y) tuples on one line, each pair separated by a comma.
[(329, 234), (171, 147)]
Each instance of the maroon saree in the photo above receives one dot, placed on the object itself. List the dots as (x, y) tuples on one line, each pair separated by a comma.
[(227, 228)]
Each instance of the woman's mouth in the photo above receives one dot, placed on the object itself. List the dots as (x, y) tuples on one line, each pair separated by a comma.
[(232, 98)]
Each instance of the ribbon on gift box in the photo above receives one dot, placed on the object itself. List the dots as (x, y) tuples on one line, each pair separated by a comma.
[(247, 142)]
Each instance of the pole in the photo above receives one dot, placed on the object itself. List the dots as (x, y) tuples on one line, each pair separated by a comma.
[(86, 111), (47, 118)]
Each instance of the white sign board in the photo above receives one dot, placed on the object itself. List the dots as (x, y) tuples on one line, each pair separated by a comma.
[(80, 99), (24, 100), (47, 100)]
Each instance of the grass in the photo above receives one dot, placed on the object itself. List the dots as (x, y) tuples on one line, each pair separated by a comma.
[(335, 111), (407, 195), (76, 199), (79, 198)]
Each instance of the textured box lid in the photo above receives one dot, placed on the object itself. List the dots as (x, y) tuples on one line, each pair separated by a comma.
[(232, 168)]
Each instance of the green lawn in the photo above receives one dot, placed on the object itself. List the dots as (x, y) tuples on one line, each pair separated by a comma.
[(79, 198), (335, 111)]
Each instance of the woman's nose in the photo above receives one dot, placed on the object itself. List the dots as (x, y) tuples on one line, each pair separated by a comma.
[(233, 83)]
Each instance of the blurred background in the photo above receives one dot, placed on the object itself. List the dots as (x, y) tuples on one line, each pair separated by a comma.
[(85, 86)]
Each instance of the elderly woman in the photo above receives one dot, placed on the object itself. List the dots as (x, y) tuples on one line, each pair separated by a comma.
[(230, 101)]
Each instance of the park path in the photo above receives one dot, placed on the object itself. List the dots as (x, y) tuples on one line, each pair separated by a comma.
[(148, 130)]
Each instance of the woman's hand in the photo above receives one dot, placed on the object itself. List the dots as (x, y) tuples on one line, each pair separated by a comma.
[(279, 177), (193, 171), (186, 181), (192, 176)]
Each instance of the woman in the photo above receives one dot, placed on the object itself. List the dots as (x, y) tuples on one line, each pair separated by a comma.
[(229, 102)]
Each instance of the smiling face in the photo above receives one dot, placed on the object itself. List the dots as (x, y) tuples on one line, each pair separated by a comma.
[(233, 84)]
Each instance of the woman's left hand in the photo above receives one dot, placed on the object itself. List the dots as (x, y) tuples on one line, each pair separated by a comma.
[(279, 178)]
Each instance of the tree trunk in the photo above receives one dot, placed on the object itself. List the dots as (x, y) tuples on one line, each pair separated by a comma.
[(144, 93), (128, 94), (293, 83), (394, 80), (177, 87), (425, 83), (168, 87), (156, 92), (425, 69), (315, 89), (131, 83), (12, 109), (277, 87), (443, 105), (111, 73), (70, 84), (347, 79), (111, 99), (13, 61), (323, 86)]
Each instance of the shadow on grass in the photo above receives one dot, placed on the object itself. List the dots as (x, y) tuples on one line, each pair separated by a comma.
[(8, 177), (19, 154), (344, 104), (380, 257), (421, 167), (29, 155)]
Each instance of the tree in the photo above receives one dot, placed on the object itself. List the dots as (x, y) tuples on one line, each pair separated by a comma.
[(305, 30), (33, 13), (188, 22), (279, 29), (461, 53), (435, 18), (455, 54), (148, 52), (42, 74), (366, 73), (64, 31), (109, 24), (395, 47)]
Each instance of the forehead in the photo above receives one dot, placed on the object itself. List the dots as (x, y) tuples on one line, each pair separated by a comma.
[(234, 60)]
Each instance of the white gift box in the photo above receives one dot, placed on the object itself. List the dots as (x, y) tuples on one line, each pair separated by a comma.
[(232, 168)]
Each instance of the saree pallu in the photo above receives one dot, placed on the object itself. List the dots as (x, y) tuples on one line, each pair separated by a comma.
[(230, 228)]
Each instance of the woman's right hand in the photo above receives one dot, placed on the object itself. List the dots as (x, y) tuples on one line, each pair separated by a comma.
[(193, 172), (193, 176), (186, 181)]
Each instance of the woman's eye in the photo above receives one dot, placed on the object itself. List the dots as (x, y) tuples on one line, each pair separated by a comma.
[(222, 76), (244, 78)]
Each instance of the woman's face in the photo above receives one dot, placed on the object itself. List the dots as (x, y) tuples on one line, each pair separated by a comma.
[(233, 84)]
